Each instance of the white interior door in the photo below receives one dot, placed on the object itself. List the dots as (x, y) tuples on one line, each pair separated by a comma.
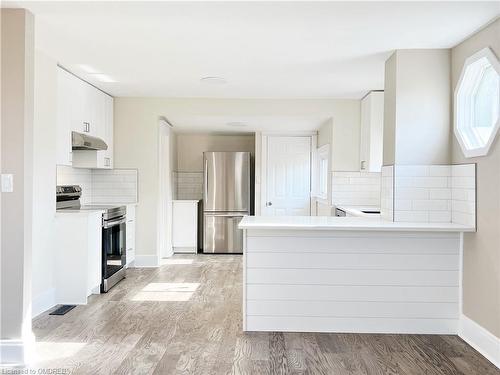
[(288, 179)]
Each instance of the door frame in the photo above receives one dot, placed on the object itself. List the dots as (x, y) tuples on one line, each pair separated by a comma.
[(313, 135)]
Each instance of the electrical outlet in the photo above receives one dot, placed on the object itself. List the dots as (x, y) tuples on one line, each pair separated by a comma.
[(7, 183)]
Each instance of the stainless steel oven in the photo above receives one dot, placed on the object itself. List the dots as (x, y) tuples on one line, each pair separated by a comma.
[(113, 247), (113, 233)]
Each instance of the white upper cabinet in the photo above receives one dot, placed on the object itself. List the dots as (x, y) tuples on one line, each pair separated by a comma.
[(372, 132), (85, 109)]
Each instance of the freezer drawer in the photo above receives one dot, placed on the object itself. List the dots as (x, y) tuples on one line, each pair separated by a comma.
[(221, 233)]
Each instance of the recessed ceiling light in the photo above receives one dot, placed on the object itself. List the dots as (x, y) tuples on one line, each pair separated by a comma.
[(213, 80), (88, 69), (236, 124), (102, 77)]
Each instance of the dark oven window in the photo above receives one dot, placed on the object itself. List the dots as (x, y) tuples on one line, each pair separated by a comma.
[(113, 249)]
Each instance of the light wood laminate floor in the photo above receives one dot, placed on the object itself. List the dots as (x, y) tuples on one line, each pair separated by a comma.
[(185, 318)]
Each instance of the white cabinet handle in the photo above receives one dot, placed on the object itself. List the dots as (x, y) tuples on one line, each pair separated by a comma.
[(107, 162), (363, 166)]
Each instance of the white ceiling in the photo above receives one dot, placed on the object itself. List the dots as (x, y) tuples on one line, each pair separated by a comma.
[(263, 50)]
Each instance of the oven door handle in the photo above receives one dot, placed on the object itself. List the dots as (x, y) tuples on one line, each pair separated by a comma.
[(109, 224)]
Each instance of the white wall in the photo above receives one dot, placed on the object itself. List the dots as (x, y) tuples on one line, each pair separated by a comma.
[(343, 138), (190, 148), (481, 284), (17, 69), (417, 109), (136, 146), (44, 182), (389, 145)]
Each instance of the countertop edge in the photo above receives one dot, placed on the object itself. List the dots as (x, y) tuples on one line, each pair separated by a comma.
[(359, 228), (348, 224)]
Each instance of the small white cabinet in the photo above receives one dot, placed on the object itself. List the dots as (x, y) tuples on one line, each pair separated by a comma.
[(130, 235), (85, 109), (78, 256), (372, 132), (185, 226)]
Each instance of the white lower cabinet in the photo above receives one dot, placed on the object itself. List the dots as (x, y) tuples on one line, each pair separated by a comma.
[(78, 256), (130, 239), (185, 226)]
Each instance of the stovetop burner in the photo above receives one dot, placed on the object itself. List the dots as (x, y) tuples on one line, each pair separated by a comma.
[(68, 197)]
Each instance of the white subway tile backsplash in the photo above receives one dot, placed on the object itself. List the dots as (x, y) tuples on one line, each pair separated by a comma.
[(459, 194), (463, 182), (411, 216), (402, 204), (440, 193), (412, 170), (430, 205), (114, 186), (387, 193), (431, 182), (340, 180), (440, 170), (463, 206), (189, 185), (435, 193), (412, 193), (464, 170), (440, 216), (356, 188), (101, 186)]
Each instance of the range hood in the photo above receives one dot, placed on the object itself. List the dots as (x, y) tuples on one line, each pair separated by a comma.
[(80, 141)]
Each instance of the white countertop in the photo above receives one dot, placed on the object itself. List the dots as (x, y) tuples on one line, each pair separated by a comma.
[(344, 223), (66, 211)]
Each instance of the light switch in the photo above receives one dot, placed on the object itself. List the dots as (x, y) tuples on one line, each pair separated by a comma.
[(7, 183)]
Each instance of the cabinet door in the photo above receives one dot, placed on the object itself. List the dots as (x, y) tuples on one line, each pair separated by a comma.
[(64, 102), (184, 224), (93, 108), (99, 125), (76, 94)]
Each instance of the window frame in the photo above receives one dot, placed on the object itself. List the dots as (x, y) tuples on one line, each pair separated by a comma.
[(462, 101)]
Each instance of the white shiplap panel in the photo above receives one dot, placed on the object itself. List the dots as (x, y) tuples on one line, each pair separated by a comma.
[(340, 244), (351, 277), (351, 325), (353, 261), (352, 293), (341, 281), (413, 310)]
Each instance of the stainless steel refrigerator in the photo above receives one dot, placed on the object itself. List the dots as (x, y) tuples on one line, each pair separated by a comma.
[(226, 200)]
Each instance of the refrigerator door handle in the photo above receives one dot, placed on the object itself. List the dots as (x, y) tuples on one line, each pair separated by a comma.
[(205, 181)]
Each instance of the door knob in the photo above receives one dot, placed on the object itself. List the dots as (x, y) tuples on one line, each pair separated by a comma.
[(269, 204)]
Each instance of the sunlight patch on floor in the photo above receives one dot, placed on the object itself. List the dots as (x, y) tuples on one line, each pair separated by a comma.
[(49, 351), (169, 261), (165, 292)]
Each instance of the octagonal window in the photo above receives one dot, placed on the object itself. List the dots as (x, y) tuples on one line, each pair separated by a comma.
[(477, 103)]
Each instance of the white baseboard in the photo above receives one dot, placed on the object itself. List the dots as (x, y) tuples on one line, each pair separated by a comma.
[(146, 261), (480, 339), (43, 301), (17, 352)]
